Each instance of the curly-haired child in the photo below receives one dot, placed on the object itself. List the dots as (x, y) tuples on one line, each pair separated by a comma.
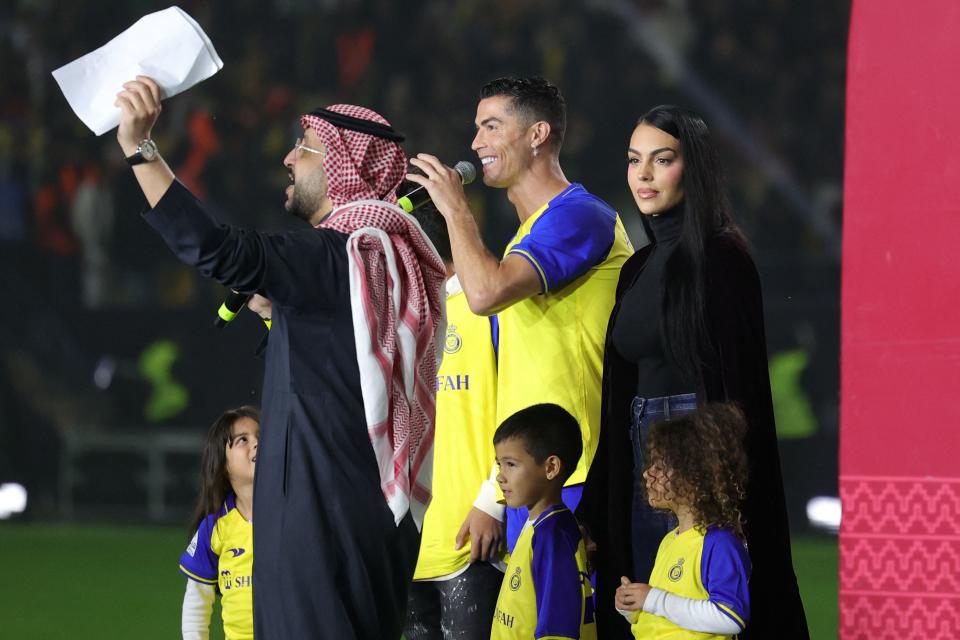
[(696, 469)]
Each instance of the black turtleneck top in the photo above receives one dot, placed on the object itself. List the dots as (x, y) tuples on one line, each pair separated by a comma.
[(637, 334)]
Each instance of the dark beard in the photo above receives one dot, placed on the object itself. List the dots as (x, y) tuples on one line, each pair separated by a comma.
[(302, 206), (309, 192)]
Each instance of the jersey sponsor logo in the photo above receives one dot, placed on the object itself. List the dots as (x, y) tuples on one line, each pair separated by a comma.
[(192, 547), (676, 571), (238, 551), (503, 617), (453, 341), (453, 383), (229, 581), (515, 580)]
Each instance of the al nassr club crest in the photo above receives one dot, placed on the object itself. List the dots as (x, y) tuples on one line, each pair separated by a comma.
[(453, 341)]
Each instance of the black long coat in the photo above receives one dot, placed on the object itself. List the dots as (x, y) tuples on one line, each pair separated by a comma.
[(737, 373), (329, 562)]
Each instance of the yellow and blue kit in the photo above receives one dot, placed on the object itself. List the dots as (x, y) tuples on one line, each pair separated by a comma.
[(463, 451), (551, 345), (221, 554), (546, 592), (709, 570)]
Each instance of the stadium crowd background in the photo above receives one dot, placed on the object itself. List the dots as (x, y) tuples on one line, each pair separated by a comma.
[(105, 334)]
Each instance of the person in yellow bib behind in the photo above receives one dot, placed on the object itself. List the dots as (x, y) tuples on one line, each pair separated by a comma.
[(546, 592), (460, 567), (219, 558), (696, 469)]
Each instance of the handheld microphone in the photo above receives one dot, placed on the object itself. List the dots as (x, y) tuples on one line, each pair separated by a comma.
[(419, 196), (230, 308)]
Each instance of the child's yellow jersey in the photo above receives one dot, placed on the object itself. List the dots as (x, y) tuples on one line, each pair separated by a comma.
[(701, 565), (221, 554), (546, 592)]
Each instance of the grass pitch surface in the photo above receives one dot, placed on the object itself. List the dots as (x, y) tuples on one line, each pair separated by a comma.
[(79, 582)]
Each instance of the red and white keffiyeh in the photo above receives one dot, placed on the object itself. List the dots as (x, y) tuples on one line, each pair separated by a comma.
[(396, 296)]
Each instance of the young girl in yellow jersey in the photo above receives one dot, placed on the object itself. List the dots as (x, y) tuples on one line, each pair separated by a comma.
[(219, 557), (696, 469)]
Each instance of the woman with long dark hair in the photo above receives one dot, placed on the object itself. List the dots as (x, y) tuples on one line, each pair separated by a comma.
[(687, 329)]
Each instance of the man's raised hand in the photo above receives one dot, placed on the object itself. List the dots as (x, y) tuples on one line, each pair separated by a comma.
[(139, 103)]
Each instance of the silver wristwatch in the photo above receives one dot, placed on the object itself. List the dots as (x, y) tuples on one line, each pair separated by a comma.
[(146, 152)]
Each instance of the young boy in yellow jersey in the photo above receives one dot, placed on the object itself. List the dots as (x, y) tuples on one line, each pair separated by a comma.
[(459, 568), (696, 469), (546, 591)]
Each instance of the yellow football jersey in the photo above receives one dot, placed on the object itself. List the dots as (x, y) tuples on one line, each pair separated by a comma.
[(463, 451), (221, 554), (551, 345), (701, 565), (546, 592)]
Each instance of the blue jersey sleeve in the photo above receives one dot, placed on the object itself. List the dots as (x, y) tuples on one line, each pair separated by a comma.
[(568, 239), (556, 579), (199, 562), (725, 572)]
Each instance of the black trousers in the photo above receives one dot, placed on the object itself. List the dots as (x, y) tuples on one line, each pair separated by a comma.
[(457, 609)]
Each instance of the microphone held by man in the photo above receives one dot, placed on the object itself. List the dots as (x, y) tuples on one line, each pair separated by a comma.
[(234, 303), (420, 196)]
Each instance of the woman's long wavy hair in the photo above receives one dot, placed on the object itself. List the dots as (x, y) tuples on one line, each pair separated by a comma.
[(214, 481), (703, 455), (706, 213)]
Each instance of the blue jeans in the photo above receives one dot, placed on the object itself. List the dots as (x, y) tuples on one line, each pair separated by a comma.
[(649, 525)]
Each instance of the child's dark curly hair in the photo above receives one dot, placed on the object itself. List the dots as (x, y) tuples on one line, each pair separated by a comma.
[(702, 453)]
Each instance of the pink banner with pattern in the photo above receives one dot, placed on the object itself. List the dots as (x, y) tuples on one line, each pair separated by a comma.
[(900, 353)]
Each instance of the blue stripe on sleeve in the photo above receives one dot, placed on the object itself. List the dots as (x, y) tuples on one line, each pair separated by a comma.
[(555, 574), (725, 573), (740, 623), (571, 237), (202, 565), (525, 254)]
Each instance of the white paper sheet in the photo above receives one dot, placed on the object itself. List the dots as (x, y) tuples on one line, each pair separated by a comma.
[(168, 46)]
